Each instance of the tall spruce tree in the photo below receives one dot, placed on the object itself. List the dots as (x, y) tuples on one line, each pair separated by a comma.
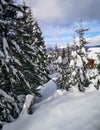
[(74, 73), (25, 39), (19, 70), (41, 55), (8, 71), (67, 68), (54, 61), (80, 62), (64, 79), (19, 73)]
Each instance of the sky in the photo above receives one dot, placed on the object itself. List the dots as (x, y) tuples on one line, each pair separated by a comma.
[(58, 19)]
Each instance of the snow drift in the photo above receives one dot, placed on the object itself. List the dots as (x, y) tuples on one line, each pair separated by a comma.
[(66, 111)]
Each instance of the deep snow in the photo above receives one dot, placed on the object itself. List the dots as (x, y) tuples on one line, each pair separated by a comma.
[(61, 110)]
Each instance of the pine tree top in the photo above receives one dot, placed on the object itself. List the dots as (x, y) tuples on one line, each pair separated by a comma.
[(81, 31)]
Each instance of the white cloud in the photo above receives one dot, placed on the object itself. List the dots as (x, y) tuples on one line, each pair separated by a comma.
[(65, 12), (94, 40), (61, 18)]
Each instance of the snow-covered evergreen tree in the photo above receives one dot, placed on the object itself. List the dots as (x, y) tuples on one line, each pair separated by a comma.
[(20, 74), (41, 54), (67, 60), (18, 69), (53, 64), (95, 74), (25, 39), (74, 72), (64, 79), (9, 78), (80, 62)]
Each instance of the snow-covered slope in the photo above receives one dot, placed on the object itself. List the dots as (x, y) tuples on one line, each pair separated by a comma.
[(63, 111), (93, 53), (94, 49)]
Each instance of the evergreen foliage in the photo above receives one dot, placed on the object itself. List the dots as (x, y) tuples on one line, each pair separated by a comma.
[(22, 58), (74, 71), (80, 62), (64, 79), (95, 74), (52, 58), (8, 107), (25, 39), (41, 54)]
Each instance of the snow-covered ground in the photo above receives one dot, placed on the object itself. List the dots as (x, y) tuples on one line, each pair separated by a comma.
[(93, 53), (61, 110)]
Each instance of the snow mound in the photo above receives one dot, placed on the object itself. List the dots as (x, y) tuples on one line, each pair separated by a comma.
[(28, 102), (48, 89), (67, 111)]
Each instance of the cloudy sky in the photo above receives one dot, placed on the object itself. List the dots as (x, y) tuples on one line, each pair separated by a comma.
[(58, 19)]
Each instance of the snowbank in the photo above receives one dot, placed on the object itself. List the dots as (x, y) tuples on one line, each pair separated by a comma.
[(48, 89), (67, 111)]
